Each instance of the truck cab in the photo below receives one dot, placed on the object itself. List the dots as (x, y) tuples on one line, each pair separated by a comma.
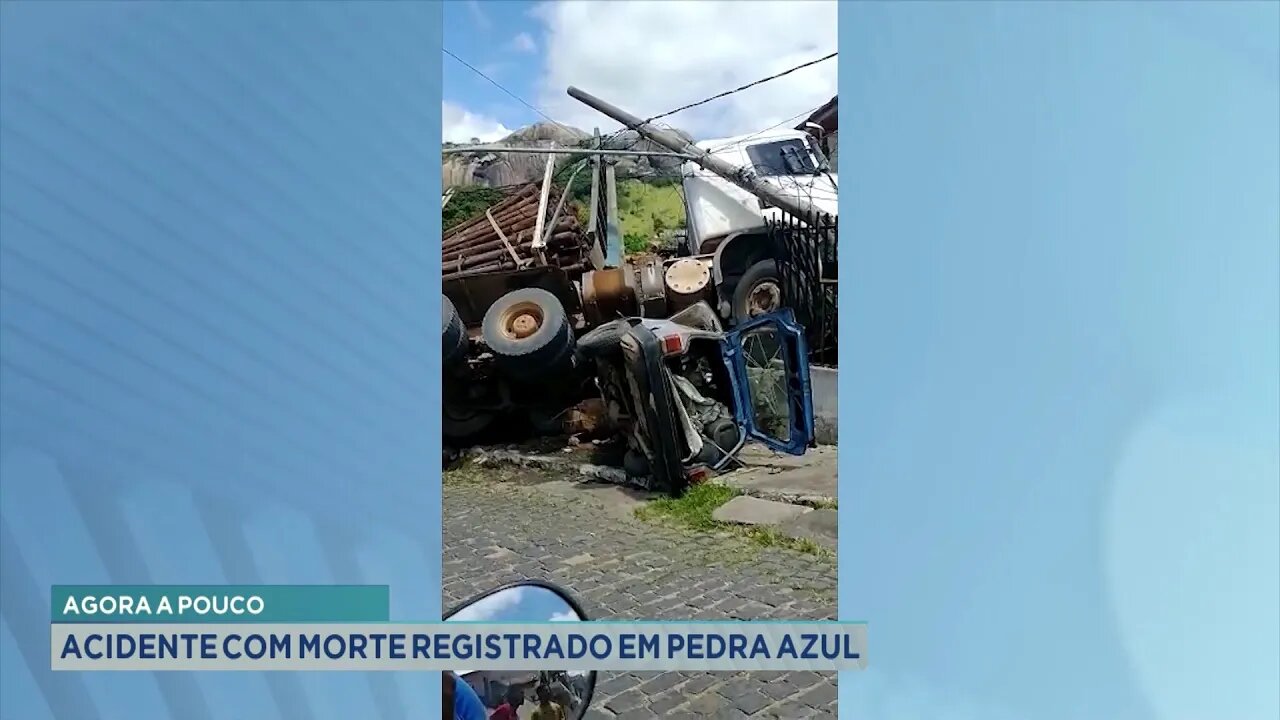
[(729, 224), (717, 210)]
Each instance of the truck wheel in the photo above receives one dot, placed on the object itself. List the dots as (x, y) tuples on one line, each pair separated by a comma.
[(604, 340), (528, 332), (453, 340), (460, 423), (759, 291)]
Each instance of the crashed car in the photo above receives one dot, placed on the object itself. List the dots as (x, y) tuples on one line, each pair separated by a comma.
[(688, 395)]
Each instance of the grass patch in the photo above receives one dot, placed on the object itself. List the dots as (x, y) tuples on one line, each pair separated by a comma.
[(768, 537), (694, 510), (469, 472)]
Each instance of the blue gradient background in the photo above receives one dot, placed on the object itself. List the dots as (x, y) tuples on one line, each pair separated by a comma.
[(1059, 463), (1059, 472), (217, 269)]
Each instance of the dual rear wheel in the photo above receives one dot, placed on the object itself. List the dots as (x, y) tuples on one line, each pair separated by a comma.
[(529, 334)]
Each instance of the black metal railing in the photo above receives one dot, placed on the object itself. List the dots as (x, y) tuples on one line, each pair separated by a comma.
[(807, 266)]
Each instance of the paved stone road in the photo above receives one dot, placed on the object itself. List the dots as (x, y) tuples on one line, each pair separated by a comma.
[(523, 528)]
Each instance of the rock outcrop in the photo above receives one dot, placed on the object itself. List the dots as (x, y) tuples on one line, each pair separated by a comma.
[(507, 169)]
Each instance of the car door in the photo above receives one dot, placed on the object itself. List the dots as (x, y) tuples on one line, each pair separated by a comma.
[(768, 363)]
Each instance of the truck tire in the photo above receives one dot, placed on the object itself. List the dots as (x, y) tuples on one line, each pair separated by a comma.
[(453, 340), (461, 424), (757, 292), (604, 340), (528, 331)]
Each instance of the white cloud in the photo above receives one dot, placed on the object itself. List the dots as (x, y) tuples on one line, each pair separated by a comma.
[(478, 14), (459, 125), (565, 616), (523, 43), (648, 57)]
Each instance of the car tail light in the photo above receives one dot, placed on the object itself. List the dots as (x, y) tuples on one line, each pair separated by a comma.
[(698, 475), (673, 345)]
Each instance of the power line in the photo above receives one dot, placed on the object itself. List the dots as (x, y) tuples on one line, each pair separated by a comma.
[(744, 87), (498, 85), (616, 133), (605, 140), (571, 131), (793, 118)]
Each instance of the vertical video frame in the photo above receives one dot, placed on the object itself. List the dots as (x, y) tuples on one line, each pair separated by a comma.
[(639, 279)]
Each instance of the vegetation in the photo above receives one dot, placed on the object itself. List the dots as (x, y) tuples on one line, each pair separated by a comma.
[(469, 202), (647, 208), (694, 511)]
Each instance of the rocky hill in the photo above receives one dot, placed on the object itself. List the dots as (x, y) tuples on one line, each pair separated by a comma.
[(503, 169)]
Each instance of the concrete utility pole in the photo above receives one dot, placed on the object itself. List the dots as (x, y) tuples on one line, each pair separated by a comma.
[(737, 175), (556, 151)]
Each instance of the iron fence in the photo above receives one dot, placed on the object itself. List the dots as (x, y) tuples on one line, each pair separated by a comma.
[(807, 267)]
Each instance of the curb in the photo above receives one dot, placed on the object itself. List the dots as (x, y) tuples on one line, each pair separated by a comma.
[(490, 457), (603, 473)]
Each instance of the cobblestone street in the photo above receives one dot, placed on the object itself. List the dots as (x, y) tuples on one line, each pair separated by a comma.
[(523, 527)]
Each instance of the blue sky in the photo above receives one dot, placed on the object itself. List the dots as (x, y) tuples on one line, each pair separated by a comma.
[(646, 57), (500, 39), (517, 604)]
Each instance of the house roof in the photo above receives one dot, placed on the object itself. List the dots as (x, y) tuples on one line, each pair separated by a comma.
[(826, 116)]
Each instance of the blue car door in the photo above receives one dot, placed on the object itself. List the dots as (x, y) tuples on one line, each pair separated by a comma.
[(768, 363)]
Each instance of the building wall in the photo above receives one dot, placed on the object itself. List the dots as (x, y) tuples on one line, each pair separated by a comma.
[(825, 383)]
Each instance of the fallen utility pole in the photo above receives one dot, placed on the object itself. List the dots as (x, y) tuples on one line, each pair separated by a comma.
[(737, 175), (561, 151)]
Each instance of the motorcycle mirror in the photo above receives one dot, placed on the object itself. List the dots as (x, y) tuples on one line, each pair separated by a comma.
[(527, 602)]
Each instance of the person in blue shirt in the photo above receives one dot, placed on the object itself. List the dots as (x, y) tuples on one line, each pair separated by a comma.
[(460, 701)]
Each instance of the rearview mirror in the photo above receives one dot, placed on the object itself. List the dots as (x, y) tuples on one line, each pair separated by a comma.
[(524, 691)]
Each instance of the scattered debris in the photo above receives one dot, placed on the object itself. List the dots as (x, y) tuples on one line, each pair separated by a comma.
[(588, 419), (569, 467)]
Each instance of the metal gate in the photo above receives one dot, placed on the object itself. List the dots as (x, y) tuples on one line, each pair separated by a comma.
[(807, 266)]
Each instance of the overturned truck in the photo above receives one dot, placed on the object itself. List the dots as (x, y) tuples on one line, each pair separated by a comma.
[(511, 309)]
